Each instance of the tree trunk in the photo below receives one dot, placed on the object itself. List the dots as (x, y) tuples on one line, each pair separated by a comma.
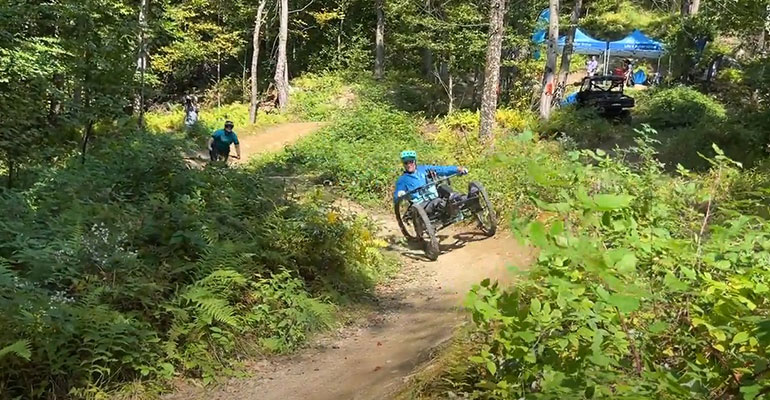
[(492, 70), (477, 83), (427, 64), (566, 55), (86, 138), (379, 60), (141, 61), (450, 85), (281, 77), (11, 166), (690, 7), (255, 62), (694, 6), (550, 67)]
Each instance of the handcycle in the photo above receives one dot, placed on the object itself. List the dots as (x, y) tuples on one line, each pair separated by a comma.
[(419, 225)]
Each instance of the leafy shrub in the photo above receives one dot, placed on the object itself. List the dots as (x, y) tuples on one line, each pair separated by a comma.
[(635, 293), (360, 151), (229, 90), (134, 266), (680, 107), (584, 125)]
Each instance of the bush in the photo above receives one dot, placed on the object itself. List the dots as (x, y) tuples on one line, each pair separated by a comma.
[(584, 125), (134, 266), (628, 297), (318, 97), (679, 107)]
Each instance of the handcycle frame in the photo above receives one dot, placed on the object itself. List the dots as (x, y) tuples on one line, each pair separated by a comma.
[(425, 226)]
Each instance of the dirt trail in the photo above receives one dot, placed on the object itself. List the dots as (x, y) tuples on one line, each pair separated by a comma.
[(418, 311), (261, 141), (274, 138)]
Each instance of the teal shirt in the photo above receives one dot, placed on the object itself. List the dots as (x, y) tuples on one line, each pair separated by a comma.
[(223, 140)]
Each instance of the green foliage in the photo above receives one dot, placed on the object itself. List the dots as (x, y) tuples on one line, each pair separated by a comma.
[(637, 291), (583, 125), (678, 107), (318, 97), (614, 20), (134, 267)]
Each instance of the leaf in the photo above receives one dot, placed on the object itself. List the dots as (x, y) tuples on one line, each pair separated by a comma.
[(719, 335), (750, 392), (674, 283), (741, 337), (602, 293), (600, 359), (528, 336), (627, 264), (689, 273), (476, 359), (491, 367), (535, 306), (625, 304), (657, 327), (537, 234), (609, 202), (20, 348)]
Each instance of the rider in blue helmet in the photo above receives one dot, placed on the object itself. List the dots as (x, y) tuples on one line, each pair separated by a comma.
[(415, 176)]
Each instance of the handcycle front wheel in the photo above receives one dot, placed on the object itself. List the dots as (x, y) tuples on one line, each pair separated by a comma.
[(404, 225), (485, 216), (425, 232)]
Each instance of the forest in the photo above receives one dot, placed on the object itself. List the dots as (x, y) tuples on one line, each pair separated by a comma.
[(129, 263)]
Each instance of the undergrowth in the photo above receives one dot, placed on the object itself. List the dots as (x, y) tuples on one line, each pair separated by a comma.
[(646, 285), (135, 267)]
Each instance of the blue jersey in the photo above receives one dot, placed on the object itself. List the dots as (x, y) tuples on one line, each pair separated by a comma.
[(223, 139), (410, 181)]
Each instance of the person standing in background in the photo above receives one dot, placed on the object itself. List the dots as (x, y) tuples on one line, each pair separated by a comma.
[(190, 111), (591, 66)]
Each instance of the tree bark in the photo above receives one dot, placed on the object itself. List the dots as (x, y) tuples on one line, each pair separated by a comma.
[(451, 91), (492, 70), (550, 67), (255, 62), (690, 7), (281, 69), (379, 59), (566, 54), (11, 166), (141, 61)]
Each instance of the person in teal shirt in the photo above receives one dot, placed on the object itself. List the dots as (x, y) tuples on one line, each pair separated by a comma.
[(220, 141)]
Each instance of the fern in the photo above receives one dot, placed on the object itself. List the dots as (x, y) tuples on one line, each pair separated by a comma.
[(211, 308), (7, 277), (20, 348)]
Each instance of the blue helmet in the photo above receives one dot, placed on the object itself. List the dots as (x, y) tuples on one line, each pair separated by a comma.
[(409, 155)]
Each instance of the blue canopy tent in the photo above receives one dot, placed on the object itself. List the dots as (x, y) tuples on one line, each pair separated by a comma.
[(584, 44), (636, 44)]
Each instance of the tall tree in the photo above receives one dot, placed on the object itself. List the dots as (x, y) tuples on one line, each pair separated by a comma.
[(141, 59), (492, 70), (255, 61), (379, 59), (566, 54), (281, 69), (690, 7), (550, 66)]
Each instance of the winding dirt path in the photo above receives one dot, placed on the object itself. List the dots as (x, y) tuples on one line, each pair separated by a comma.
[(274, 138), (257, 141), (417, 312)]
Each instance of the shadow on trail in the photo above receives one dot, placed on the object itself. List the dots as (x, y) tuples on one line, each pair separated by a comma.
[(414, 249)]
